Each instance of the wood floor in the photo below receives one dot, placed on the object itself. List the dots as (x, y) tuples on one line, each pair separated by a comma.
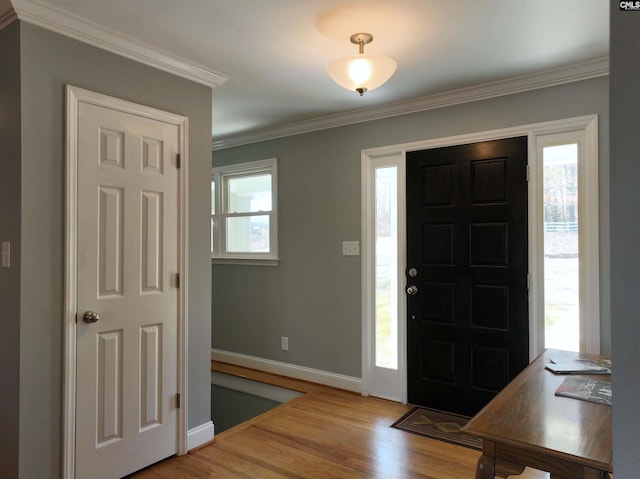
[(326, 433)]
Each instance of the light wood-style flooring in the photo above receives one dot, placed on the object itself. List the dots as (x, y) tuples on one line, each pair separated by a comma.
[(326, 433)]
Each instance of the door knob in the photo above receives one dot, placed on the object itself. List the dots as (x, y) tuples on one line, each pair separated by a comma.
[(412, 290), (90, 317)]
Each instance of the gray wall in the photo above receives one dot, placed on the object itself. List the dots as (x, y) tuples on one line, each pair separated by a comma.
[(48, 62), (314, 295), (10, 231), (625, 238)]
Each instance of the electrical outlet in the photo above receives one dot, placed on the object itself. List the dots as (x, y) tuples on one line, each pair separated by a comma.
[(284, 343)]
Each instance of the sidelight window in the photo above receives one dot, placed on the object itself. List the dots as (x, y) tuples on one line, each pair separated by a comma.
[(561, 251), (386, 267), (568, 250)]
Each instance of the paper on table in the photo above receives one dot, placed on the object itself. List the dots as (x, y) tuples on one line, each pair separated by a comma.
[(579, 366)]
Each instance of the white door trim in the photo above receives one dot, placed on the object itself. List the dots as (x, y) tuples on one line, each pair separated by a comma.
[(384, 383), (589, 182), (75, 96)]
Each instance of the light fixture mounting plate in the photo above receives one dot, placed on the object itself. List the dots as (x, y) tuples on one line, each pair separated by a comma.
[(361, 38)]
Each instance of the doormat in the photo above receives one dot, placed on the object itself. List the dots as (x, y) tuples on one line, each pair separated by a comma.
[(437, 425)]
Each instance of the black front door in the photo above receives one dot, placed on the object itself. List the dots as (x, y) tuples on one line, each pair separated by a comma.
[(467, 305)]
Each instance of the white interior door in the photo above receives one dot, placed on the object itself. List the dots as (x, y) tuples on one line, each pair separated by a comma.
[(127, 266)]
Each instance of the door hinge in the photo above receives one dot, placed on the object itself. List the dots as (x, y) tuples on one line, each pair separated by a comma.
[(178, 397), (528, 280), (527, 172), (178, 161), (177, 280)]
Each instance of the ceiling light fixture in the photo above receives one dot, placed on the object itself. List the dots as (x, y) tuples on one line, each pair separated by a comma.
[(362, 72)]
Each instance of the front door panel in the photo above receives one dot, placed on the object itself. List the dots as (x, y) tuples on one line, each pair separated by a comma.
[(467, 242)]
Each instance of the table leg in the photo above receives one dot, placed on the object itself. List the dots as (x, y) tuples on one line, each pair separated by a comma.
[(590, 473), (485, 468)]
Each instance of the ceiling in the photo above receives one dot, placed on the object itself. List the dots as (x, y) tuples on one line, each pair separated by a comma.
[(268, 58)]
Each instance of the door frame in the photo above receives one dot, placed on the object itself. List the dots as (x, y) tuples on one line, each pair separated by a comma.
[(396, 154), (75, 96)]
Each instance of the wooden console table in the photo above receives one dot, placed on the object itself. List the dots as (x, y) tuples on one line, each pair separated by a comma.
[(527, 425)]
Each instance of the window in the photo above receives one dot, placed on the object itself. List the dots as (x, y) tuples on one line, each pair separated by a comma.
[(386, 266), (384, 297), (244, 213), (560, 233), (568, 250)]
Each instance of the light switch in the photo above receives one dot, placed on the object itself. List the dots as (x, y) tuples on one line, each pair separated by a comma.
[(350, 248), (6, 254)]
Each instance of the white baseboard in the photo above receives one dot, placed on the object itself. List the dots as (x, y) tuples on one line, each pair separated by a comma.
[(200, 435), (339, 381)]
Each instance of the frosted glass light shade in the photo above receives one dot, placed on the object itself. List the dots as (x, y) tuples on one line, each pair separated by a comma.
[(362, 72)]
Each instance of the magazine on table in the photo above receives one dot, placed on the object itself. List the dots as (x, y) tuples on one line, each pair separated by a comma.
[(586, 389), (579, 366)]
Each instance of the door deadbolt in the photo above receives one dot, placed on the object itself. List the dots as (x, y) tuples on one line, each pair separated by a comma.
[(412, 290)]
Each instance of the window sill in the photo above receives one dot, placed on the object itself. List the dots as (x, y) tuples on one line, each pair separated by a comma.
[(246, 261)]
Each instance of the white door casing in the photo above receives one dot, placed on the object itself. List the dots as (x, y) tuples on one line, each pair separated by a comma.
[(126, 251), (392, 384)]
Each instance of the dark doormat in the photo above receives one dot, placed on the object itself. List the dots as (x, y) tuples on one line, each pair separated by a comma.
[(437, 425)]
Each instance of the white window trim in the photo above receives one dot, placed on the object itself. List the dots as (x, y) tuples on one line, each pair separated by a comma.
[(590, 295), (588, 231), (378, 381), (218, 175)]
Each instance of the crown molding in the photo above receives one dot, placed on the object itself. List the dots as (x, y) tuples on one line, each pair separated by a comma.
[(80, 29), (7, 14), (558, 76)]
